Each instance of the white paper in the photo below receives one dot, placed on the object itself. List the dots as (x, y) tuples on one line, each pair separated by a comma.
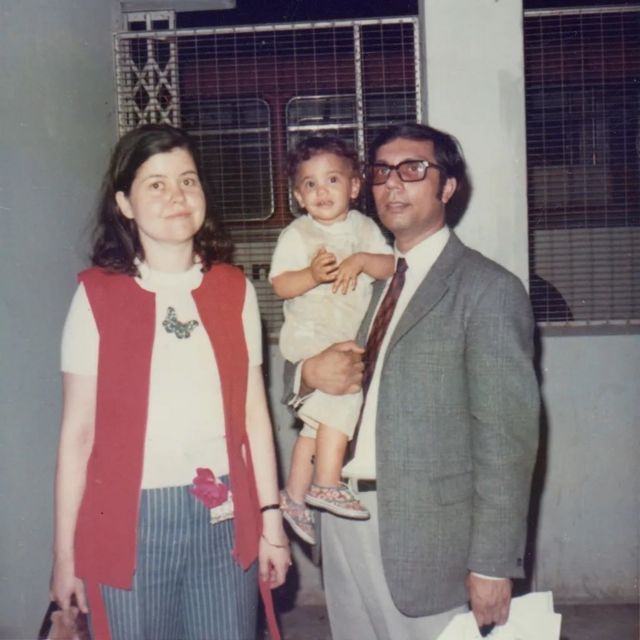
[(531, 617)]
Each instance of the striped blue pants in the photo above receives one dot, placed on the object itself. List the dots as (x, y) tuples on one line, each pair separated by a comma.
[(186, 586)]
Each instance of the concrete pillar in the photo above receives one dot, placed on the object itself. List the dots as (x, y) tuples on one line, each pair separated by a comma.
[(473, 53)]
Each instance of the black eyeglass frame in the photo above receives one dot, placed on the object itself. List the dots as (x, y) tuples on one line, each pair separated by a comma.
[(426, 164)]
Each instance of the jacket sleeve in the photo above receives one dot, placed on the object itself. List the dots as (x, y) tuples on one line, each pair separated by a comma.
[(504, 404)]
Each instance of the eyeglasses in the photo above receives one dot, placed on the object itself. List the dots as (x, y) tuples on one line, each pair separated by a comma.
[(408, 171)]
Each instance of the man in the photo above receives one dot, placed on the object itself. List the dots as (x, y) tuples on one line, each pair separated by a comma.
[(448, 434)]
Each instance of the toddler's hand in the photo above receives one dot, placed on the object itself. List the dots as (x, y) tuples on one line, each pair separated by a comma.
[(346, 277), (323, 266)]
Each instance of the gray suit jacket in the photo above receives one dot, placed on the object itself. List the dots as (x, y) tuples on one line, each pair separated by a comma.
[(456, 431)]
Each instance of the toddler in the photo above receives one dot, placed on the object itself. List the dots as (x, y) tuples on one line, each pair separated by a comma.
[(323, 267)]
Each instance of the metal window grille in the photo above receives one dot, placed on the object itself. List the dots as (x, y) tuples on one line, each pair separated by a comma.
[(582, 78), (248, 93)]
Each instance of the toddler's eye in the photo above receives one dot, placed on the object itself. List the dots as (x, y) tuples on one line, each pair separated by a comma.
[(309, 184), (333, 179)]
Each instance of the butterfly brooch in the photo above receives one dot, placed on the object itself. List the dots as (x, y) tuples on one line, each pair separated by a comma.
[(181, 330)]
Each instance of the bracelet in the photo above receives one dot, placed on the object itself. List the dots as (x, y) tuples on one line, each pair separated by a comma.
[(268, 507), (277, 546)]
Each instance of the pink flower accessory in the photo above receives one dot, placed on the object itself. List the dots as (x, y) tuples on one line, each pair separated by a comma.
[(215, 495), (208, 490)]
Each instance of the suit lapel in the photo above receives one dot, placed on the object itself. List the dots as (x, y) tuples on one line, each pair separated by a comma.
[(431, 289)]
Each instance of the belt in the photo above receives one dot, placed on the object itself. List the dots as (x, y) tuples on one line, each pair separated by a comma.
[(366, 485)]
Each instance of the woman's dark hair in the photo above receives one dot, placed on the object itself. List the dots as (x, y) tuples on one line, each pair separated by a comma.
[(116, 242), (446, 148), (314, 145)]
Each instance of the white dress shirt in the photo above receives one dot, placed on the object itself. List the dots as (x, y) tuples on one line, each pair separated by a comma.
[(185, 419), (419, 259)]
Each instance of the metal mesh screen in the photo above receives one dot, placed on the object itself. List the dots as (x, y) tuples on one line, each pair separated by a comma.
[(582, 69), (249, 93)]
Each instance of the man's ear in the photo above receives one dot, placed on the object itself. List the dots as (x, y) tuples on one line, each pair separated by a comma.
[(449, 189), (123, 204)]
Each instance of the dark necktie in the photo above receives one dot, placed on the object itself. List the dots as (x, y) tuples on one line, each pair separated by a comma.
[(376, 336)]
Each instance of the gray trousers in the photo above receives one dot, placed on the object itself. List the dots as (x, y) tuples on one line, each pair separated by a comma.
[(358, 599), (186, 585)]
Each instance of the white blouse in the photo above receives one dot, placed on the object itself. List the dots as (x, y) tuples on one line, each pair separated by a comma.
[(185, 421)]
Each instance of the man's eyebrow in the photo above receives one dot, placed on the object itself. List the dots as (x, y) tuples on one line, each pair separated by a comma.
[(401, 161)]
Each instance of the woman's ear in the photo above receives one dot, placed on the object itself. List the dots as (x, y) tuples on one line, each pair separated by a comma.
[(123, 204)]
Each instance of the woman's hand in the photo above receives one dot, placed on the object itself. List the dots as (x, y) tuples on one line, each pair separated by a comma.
[(274, 556), (76, 442), (274, 559), (65, 585)]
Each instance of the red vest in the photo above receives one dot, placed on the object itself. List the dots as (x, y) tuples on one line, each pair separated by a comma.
[(105, 543)]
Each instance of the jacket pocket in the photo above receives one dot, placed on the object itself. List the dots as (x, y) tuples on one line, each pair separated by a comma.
[(454, 488)]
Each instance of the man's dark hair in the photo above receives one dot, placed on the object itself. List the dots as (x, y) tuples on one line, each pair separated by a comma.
[(315, 145), (447, 151), (116, 242)]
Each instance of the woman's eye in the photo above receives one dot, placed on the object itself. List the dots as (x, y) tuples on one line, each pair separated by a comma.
[(156, 186), (189, 182)]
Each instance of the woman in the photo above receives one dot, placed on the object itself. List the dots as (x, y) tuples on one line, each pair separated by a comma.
[(165, 425)]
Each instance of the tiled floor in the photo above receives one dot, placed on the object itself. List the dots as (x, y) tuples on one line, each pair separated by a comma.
[(579, 622)]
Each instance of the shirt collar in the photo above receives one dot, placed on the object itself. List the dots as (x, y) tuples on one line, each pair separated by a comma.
[(156, 281), (421, 257)]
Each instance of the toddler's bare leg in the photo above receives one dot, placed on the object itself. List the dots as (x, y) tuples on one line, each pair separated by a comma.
[(292, 498), (331, 446), (301, 468), (327, 492)]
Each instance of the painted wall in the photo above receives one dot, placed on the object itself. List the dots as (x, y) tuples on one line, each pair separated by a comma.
[(475, 90), (589, 527), (56, 126)]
